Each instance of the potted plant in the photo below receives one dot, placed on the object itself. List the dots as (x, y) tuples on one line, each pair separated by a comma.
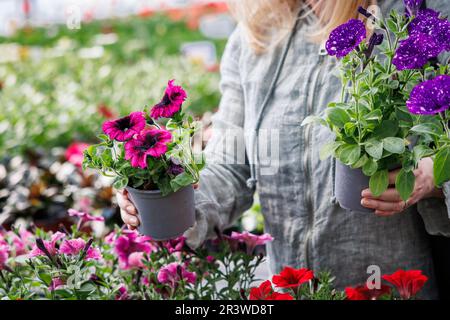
[(375, 130), (155, 163)]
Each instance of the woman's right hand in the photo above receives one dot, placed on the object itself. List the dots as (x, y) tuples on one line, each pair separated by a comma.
[(128, 211)]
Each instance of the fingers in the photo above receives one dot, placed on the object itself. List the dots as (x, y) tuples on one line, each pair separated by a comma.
[(390, 195), (397, 206), (129, 219), (393, 176)]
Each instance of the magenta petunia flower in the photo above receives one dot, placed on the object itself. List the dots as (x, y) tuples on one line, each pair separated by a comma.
[(346, 38), (130, 242), (4, 255), (412, 6), (84, 217), (151, 142), (74, 246), (21, 243), (110, 238), (174, 273), (74, 153), (125, 128), (430, 97), (171, 103), (175, 245), (56, 284), (49, 245), (251, 240), (122, 293), (135, 260), (415, 51), (428, 22)]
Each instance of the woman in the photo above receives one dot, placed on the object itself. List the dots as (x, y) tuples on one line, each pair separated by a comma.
[(274, 74)]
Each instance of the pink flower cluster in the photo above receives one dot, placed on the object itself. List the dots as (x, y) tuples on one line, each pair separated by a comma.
[(174, 273), (68, 247), (20, 242), (141, 142), (250, 240), (131, 248)]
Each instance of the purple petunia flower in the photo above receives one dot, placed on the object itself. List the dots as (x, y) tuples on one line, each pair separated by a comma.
[(415, 51), (430, 97), (125, 128), (346, 38), (171, 103), (151, 142), (175, 168), (412, 6), (428, 22)]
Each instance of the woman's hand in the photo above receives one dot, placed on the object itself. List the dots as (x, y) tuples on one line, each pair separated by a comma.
[(390, 202), (128, 211)]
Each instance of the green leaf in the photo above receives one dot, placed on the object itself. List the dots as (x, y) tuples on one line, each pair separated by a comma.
[(387, 128), (374, 148), (370, 167), (394, 145), (328, 150), (349, 154), (361, 162), (338, 116), (46, 278), (442, 166), (427, 128), (405, 183), (180, 181), (375, 115), (421, 152), (313, 120), (379, 182), (120, 183)]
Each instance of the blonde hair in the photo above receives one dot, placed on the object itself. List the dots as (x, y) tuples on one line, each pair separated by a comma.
[(267, 22)]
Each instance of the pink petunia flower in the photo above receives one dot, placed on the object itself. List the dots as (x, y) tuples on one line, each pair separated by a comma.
[(151, 142), (171, 103), (56, 284), (251, 240), (110, 238), (122, 293), (125, 128), (4, 255), (21, 242), (75, 246), (84, 217), (210, 259), (175, 245), (135, 260), (74, 153), (49, 245), (128, 243), (174, 273)]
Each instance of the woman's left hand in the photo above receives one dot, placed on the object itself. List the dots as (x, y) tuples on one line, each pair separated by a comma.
[(390, 202)]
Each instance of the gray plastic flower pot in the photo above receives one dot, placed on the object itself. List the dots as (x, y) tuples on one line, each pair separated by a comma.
[(164, 217), (349, 184)]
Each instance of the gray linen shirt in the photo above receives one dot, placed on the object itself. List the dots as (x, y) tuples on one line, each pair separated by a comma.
[(297, 197)]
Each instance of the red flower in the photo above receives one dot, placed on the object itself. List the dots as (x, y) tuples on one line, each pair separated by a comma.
[(74, 153), (105, 111), (292, 278), (265, 292), (408, 283), (364, 293)]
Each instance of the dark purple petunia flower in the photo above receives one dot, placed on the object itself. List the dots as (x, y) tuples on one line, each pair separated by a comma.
[(415, 51), (428, 22), (175, 168), (125, 128), (430, 97), (171, 103), (412, 6), (150, 142), (375, 40), (346, 38)]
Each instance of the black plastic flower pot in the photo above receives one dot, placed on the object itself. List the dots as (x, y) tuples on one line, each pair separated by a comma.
[(164, 217), (349, 184)]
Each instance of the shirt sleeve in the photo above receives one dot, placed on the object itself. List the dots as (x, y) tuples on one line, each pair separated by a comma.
[(223, 194)]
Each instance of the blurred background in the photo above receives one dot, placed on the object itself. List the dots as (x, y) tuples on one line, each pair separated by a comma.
[(67, 66)]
